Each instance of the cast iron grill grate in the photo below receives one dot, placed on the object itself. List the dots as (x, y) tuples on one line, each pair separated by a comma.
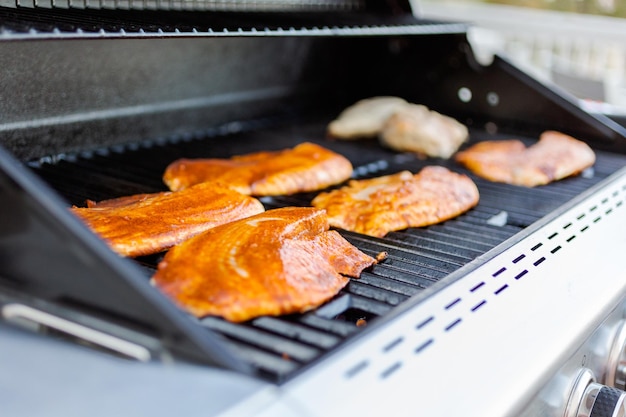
[(278, 347)]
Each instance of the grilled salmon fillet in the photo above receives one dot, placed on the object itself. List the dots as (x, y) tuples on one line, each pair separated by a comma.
[(394, 202), (125, 200), (306, 167), (553, 157), (149, 223), (282, 261)]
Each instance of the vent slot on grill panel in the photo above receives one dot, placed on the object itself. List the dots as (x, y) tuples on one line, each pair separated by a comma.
[(278, 347)]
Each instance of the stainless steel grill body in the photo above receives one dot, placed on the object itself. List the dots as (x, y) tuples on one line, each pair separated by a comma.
[(492, 313)]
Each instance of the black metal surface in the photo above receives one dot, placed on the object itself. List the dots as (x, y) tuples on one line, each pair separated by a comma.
[(278, 347), (86, 22), (241, 6)]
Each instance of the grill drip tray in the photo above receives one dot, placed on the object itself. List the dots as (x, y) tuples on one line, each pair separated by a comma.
[(278, 347)]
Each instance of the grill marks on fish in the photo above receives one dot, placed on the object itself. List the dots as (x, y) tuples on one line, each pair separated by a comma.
[(279, 262), (151, 223), (306, 167), (394, 202)]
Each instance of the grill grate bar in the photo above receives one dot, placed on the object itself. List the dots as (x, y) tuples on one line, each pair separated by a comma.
[(489, 237), (98, 184), (488, 231), (387, 282), (402, 273), (339, 328), (359, 287), (441, 249), (295, 331), (412, 256), (268, 365), (142, 174), (423, 235), (258, 337)]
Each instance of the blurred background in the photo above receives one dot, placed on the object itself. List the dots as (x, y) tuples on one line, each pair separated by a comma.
[(577, 45)]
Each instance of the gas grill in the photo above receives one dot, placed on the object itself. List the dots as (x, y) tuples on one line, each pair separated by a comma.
[(513, 308)]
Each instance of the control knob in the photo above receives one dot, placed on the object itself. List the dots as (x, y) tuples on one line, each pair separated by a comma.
[(592, 399)]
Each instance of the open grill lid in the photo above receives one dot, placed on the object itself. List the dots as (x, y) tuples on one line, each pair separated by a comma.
[(139, 76)]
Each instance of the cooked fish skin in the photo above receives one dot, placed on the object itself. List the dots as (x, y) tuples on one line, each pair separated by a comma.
[(279, 262), (151, 224), (380, 205), (415, 128), (365, 118), (555, 156), (306, 167)]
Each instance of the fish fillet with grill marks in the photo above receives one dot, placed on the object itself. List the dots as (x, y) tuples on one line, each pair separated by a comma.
[(150, 223), (394, 202), (553, 157), (283, 261), (306, 167)]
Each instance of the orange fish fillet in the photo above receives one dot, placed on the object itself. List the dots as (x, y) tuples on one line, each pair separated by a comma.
[(306, 167), (553, 157), (394, 202), (124, 201), (150, 223), (279, 262)]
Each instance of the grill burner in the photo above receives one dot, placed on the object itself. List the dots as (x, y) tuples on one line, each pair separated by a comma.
[(278, 347)]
